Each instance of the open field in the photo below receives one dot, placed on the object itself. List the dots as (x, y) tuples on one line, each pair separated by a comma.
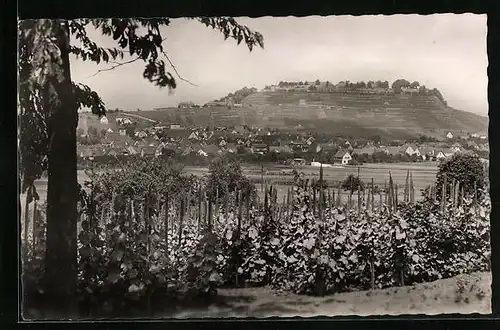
[(424, 174), (463, 294)]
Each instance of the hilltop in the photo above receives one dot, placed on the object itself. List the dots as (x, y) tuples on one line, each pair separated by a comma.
[(394, 115), (401, 110)]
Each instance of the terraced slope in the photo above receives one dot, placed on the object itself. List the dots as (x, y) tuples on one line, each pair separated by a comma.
[(395, 115)]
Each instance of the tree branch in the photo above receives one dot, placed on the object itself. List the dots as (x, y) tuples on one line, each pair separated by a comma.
[(175, 69), (117, 64)]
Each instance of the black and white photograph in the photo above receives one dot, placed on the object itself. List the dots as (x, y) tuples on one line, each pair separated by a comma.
[(237, 167)]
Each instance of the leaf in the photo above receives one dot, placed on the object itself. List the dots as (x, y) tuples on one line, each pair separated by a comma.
[(113, 277), (400, 235), (117, 255), (252, 233), (323, 259), (215, 277), (133, 288)]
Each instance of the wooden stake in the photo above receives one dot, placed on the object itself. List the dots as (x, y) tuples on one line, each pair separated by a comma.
[(166, 223), (240, 211), (396, 196), (443, 194), (35, 226), (181, 219), (373, 196), (407, 187), (475, 198)]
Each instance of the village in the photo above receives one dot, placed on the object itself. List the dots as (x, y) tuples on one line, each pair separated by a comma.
[(199, 145)]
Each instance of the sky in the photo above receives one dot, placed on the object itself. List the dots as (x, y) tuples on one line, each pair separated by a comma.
[(443, 51)]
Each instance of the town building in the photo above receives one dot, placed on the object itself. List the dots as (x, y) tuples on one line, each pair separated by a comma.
[(342, 157)]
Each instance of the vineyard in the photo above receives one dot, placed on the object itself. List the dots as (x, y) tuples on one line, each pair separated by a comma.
[(151, 236)]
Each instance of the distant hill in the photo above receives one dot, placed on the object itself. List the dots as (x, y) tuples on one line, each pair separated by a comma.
[(394, 115), (87, 120)]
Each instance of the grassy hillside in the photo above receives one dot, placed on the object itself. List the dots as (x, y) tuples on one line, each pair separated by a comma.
[(348, 114), (86, 120)]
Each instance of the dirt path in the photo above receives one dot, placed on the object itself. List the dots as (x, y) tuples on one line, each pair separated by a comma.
[(464, 294)]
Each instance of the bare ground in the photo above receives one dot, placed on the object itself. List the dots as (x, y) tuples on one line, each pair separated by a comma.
[(464, 294)]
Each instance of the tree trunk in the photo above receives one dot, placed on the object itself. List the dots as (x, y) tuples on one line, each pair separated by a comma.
[(60, 262)]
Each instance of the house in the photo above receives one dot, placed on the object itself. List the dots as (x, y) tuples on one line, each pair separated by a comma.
[(175, 126), (211, 149), (444, 153), (222, 143), (343, 157), (428, 153), (104, 120), (411, 150), (109, 130), (280, 149), (141, 134), (113, 152), (310, 140), (449, 135), (123, 121), (132, 151), (239, 129), (298, 162), (193, 136), (364, 151), (98, 152), (393, 151), (298, 146), (123, 132), (475, 135), (260, 148), (86, 153), (187, 150), (185, 105), (231, 148), (149, 151)]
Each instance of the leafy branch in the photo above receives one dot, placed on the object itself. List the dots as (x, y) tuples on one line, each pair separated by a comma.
[(116, 65)]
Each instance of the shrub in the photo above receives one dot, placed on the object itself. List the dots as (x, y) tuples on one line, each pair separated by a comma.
[(352, 183), (464, 168)]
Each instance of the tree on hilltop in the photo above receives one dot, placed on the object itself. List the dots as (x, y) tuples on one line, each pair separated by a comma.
[(399, 84), (415, 84), (48, 104), (317, 82)]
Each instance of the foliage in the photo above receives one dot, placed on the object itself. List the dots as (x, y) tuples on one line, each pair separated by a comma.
[(464, 168), (239, 95), (226, 172), (398, 84), (352, 183), (128, 257)]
